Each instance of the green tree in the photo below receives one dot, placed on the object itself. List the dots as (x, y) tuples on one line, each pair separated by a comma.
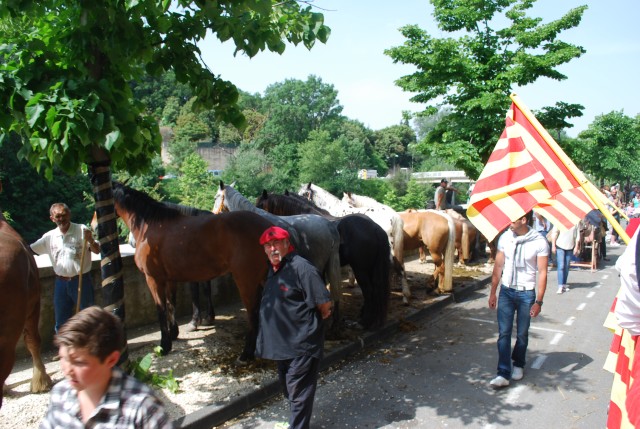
[(196, 184), (251, 171), (415, 197), (608, 148), (155, 92), (170, 112), (392, 144), (295, 108), (555, 117), (474, 73), (27, 196), (66, 68)]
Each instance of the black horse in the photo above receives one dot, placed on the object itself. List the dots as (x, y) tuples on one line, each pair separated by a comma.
[(363, 245)]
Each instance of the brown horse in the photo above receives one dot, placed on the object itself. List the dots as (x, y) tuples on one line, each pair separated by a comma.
[(172, 247), (19, 306), (436, 231)]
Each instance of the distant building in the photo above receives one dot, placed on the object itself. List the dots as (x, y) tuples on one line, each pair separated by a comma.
[(367, 174), (436, 176)]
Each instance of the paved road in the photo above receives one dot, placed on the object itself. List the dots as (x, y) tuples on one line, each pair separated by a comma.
[(436, 373)]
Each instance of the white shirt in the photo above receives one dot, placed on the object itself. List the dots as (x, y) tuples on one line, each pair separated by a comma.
[(65, 250), (524, 262), (627, 309), (566, 239)]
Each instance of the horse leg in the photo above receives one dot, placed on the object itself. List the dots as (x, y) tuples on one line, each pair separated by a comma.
[(352, 277), (159, 297), (250, 289), (422, 256), (398, 270), (40, 381), (438, 272), (171, 313), (210, 319), (366, 318), (194, 288)]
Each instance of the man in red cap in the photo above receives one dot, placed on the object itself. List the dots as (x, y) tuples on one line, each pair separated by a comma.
[(294, 303)]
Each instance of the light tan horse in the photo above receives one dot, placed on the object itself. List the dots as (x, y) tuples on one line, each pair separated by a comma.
[(20, 306), (436, 231), (465, 235)]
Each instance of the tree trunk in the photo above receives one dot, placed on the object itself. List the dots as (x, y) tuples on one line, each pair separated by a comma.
[(111, 261)]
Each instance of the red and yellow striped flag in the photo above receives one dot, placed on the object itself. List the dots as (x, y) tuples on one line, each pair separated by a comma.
[(525, 173)]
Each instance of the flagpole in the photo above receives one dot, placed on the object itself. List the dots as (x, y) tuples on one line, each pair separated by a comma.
[(577, 174)]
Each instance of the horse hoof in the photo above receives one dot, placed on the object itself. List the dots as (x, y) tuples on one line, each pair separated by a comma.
[(243, 361), (209, 321), (192, 326)]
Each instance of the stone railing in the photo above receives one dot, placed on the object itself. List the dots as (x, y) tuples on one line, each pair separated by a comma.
[(140, 309)]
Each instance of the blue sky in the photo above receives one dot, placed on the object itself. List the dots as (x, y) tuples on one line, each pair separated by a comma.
[(602, 80)]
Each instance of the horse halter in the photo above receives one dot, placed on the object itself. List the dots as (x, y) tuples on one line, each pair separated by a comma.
[(221, 207)]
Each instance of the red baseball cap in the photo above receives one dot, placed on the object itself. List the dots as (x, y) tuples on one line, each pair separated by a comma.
[(273, 233)]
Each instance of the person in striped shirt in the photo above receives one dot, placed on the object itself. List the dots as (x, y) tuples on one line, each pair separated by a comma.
[(95, 392)]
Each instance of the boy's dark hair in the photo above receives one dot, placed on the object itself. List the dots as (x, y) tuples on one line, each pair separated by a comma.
[(94, 329)]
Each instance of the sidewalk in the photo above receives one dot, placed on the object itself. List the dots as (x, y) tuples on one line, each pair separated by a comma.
[(216, 415)]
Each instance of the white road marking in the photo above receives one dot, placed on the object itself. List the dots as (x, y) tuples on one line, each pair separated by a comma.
[(606, 276), (537, 363), (556, 339), (570, 321), (581, 306), (532, 327), (591, 294)]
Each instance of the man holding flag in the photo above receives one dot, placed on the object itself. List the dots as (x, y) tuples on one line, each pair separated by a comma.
[(529, 171), (522, 252)]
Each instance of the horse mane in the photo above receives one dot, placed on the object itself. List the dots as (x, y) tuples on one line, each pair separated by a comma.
[(237, 200), (289, 203), (319, 196), (187, 210), (144, 208), (364, 201)]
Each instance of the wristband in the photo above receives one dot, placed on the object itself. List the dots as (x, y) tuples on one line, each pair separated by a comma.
[(539, 303)]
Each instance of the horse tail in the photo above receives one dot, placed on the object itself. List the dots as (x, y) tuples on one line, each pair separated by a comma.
[(465, 240), (381, 277), (448, 257), (397, 227)]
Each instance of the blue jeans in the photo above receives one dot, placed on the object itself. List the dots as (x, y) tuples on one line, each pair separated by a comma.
[(65, 297), (564, 260), (510, 302)]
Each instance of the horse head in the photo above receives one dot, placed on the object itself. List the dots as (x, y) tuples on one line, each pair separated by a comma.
[(262, 202), (218, 200)]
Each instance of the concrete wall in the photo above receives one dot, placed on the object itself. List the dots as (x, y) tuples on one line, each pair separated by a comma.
[(140, 309)]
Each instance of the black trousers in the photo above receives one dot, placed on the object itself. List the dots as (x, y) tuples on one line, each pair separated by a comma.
[(299, 378)]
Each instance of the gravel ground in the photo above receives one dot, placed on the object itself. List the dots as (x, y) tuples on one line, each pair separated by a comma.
[(203, 361)]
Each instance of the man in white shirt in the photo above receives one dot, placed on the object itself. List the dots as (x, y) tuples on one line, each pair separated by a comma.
[(64, 245)]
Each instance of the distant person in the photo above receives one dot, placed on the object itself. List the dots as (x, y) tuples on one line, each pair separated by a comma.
[(294, 303), (64, 245), (95, 392), (439, 198), (543, 226), (565, 245), (522, 253)]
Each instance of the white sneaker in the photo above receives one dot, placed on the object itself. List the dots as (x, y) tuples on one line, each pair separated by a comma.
[(499, 381), (560, 290), (517, 373), (565, 288)]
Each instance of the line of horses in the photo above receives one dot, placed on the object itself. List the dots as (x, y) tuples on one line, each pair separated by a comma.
[(176, 244)]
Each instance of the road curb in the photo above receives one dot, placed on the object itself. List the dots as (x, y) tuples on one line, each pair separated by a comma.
[(216, 415)]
